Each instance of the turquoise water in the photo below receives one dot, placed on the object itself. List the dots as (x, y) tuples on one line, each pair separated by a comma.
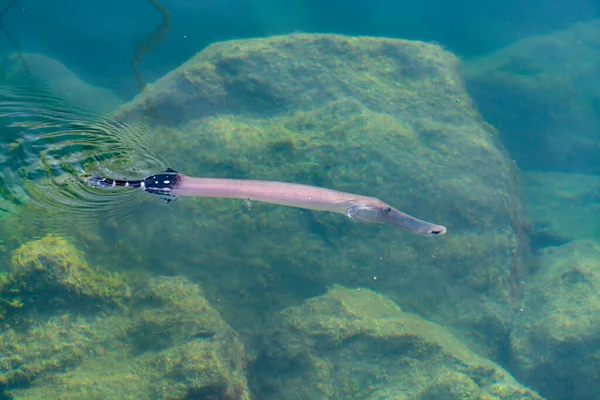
[(482, 118)]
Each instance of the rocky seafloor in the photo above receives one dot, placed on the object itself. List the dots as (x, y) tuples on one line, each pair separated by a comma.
[(279, 303)]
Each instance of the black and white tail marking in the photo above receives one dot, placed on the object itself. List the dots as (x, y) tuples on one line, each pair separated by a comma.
[(161, 184)]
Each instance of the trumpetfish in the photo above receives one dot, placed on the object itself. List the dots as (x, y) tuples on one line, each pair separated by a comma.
[(172, 185)]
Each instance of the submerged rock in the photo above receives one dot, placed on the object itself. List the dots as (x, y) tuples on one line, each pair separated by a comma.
[(60, 79), (50, 275), (63, 337), (171, 345), (559, 206), (555, 337), (542, 94), (50, 302), (380, 117), (357, 344)]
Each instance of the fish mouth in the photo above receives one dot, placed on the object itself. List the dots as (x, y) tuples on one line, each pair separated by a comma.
[(438, 231)]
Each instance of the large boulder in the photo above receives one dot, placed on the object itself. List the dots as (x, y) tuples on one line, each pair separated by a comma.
[(557, 331), (69, 331), (542, 94), (357, 344), (50, 274), (380, 117)]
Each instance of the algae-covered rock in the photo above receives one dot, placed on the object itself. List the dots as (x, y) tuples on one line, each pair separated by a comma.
[(50, 303), (169, 344), (185, 342), (556, 334), (50, 274), (380, 117), (271, 76), (542, 94), (51, 346), (357, 344)]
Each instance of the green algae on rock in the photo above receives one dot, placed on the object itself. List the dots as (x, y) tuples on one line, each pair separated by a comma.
[(381, 117), (555, 336), (50, 274), (175, 328), (272, 75), (50, 346), (355, 343), (50, 300), (168, 343)]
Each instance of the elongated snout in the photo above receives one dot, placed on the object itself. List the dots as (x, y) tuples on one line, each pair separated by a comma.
[(399, 219), (384, 214)]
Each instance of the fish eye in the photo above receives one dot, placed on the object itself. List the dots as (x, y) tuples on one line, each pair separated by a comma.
[(388, 210)]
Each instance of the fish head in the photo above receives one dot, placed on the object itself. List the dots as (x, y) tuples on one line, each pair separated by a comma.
[(381, 213)]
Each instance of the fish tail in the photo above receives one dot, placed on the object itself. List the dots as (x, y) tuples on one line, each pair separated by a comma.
[(102, 182), (160, 184)]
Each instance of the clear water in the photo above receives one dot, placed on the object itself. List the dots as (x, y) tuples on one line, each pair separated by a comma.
[(120, 294)]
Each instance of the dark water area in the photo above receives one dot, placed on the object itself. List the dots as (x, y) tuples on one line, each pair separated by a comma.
[(430, 230)]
